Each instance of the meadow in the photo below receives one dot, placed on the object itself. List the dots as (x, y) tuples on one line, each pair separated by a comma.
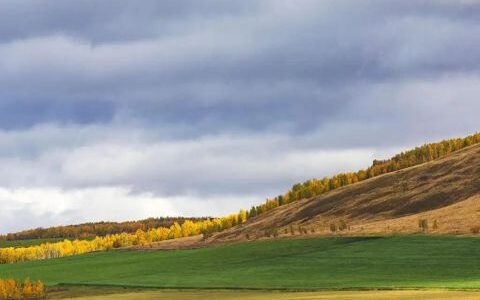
[(290, 264), (261, 295)]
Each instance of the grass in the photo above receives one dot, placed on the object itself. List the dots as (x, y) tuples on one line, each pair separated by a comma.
[(261, 295), (26, 243), (328, 263)]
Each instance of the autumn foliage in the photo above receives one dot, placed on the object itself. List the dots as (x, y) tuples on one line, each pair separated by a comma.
[(140, 237), (11, 289), (92, 230), (417, 156)]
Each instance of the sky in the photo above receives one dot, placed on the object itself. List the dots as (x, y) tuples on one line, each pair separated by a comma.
[(121, 110)]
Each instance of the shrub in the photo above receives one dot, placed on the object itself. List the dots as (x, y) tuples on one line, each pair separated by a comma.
[(206, 235), (271, 232), (302, 230), (342, 226), (475, 229), (333, 227), (11, 289), (423, 224)]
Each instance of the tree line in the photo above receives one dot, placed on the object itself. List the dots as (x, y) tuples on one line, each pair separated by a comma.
[(11, 289), (315, 187), (105, 243), (92, 230)]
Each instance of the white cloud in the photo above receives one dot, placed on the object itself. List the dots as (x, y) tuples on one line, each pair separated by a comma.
[(24, 208), (108, 175), (133, 157)]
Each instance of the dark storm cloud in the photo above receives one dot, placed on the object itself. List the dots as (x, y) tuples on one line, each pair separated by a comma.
[(15, 114), (107, 21), (218, 65)]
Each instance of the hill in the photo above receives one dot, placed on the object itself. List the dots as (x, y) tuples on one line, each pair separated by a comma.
[(445, 193)]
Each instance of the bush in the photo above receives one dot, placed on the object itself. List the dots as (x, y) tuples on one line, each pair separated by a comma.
[(342, 226), (271, 232), (118, 244), (475, 230), (11, 289), (423, 224), (333, 227), (302, 230), (206, 235)]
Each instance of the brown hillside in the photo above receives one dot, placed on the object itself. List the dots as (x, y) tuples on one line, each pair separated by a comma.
[(446, 191)]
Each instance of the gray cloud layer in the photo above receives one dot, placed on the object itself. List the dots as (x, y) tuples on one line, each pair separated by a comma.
[(188, 101)]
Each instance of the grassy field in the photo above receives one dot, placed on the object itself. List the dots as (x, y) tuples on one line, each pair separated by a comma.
[(26, 243), (98, 293), (328, 263), (252, 295)]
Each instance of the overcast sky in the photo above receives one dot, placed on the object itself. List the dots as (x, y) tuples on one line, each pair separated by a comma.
[(119, 110)]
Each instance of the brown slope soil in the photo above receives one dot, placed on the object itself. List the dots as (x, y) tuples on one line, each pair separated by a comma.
[(446, 191)]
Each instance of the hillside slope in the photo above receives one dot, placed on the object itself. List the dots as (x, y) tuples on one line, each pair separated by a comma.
[(433, 190)]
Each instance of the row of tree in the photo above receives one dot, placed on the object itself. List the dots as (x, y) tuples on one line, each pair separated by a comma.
[(417, 156), (140, 237), (91, 230), (11, 289)]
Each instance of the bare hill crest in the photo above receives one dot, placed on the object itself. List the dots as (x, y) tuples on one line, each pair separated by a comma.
[(445, 193)]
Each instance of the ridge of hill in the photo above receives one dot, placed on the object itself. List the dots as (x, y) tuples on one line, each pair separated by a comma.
[(386, 203), (404, 160)]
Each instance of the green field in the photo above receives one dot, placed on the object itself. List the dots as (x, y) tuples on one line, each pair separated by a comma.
[(328, 263), (26, 243), (262, 295)]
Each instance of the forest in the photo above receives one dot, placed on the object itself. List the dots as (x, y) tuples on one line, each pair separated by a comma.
[(92, 230)]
